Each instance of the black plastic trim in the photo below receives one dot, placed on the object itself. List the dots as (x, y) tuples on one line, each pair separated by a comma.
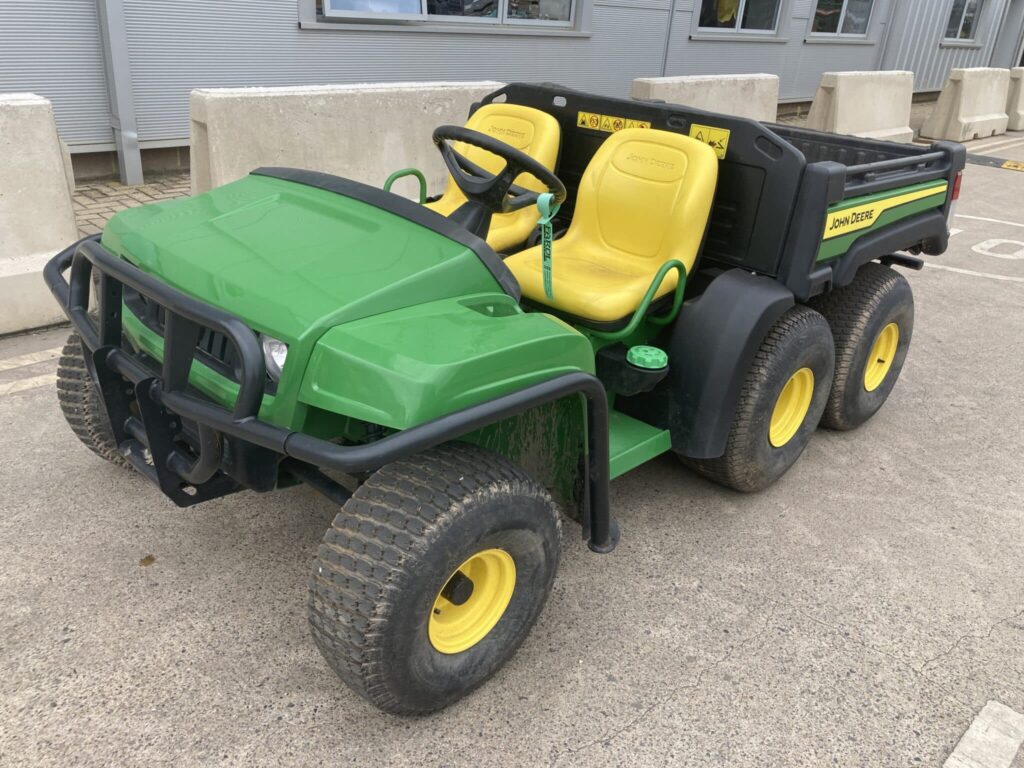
[(928, 230), (407, 209)]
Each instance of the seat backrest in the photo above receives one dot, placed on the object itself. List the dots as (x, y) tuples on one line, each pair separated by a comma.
[(527, 129), (645, 198)]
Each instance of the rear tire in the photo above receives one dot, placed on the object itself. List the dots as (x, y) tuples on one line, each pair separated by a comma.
[(375, 605), (869, 352), (81, 404), (779, 406)]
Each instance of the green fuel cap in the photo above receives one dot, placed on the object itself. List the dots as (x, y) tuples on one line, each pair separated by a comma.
[(650, 358)]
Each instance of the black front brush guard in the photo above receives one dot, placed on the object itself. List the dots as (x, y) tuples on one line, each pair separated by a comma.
[(229, 448)]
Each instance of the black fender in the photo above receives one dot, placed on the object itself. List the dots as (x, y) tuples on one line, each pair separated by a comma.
[(711, 348), (930, 230)]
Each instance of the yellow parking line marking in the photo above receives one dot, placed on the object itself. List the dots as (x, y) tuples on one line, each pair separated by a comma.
[(975, 274), (993, 221), (22, 385), (992, 741), (30, 358)]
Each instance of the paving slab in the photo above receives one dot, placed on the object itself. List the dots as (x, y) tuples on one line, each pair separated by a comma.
[(862, 611)]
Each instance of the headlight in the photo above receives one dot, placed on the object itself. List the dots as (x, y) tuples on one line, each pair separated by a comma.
[(275, 352)]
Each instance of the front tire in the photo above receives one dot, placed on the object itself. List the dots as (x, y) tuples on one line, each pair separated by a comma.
[(872, 320), (81, 405), (780, 404), (390, 607)]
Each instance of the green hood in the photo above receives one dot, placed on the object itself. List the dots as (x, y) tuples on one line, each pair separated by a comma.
[(292, 260)]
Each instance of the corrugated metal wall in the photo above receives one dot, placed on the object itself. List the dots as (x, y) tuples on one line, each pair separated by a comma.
[(914, 43), (798, 64), (53, 49), (188, 44)]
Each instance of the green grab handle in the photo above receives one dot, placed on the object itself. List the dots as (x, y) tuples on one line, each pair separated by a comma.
[(408, 172), (645, 304)]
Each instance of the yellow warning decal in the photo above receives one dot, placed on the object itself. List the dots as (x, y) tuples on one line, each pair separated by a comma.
[(716, 138), (1013, 165), (847, 220), (607, 123)]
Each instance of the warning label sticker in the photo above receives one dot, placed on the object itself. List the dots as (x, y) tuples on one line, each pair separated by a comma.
[(716, 138), (607, 123)]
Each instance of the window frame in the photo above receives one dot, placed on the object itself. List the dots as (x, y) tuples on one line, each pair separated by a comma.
[(710, 33), (839, 34), (325, 16), (964, 41)]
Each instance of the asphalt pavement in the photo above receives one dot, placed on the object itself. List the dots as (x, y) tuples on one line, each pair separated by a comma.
[(861, 612)]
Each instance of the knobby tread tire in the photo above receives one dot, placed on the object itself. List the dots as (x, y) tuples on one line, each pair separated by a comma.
[(851, 312), (734, 468), (381, 544), (81, 405)]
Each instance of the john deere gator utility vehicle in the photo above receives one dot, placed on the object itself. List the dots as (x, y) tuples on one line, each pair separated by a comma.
[(454, 376)]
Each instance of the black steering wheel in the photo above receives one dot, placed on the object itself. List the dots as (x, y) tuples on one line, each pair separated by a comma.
[(494, 191)]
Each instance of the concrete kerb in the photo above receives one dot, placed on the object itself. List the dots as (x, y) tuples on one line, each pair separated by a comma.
[(363, 132), (873, 105), (37, 218), (971, 106), (752, 96), (1015, 100)]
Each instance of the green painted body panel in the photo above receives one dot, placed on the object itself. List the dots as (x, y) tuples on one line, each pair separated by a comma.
[(411, 365), (837, 246), (632, 443), (291, 261), (387, 322)]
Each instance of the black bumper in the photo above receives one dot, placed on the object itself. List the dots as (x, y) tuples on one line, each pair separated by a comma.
[(195, 449)]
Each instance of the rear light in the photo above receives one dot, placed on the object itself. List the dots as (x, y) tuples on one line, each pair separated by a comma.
[(956, 185)]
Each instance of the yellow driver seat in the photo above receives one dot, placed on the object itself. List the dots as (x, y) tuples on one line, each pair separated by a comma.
[(644, 199), (529, 130)]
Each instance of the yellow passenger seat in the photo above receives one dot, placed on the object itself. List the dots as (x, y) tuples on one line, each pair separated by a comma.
[(529, 130), (644, 200)]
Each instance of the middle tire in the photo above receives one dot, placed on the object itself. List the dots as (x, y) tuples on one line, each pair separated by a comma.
[(432, 575), (781, 402)]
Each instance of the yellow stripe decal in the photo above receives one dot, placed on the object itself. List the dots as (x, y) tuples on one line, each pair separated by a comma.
[(858, 217)]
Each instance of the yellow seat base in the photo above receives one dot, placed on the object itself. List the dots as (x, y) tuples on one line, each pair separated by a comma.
[(583, 286)]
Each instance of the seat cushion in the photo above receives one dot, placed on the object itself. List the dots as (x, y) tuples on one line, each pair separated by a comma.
[(584, 285), (529, 130), (643, 201)]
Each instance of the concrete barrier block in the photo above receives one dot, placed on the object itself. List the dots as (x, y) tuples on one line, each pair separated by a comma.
[(874, 105), (36, 215), (752, 96), (971, 106), (1015, 102), (362, 132)]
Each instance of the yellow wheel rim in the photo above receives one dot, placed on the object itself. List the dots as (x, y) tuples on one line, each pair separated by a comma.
[(880, 360), (479, 605), (791, 407)]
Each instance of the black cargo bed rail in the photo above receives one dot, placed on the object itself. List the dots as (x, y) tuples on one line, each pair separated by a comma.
[(872, 165)]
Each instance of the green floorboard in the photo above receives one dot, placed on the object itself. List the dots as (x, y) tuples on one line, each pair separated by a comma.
[(633, 442)]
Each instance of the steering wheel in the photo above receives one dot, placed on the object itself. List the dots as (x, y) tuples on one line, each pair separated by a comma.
[(495, 191)]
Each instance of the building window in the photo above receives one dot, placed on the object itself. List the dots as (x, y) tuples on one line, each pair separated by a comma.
[(740, 15), (549, 12), (841, 17), (963, 20)]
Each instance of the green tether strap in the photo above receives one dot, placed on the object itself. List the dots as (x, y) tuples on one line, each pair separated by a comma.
[(548, 208)]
